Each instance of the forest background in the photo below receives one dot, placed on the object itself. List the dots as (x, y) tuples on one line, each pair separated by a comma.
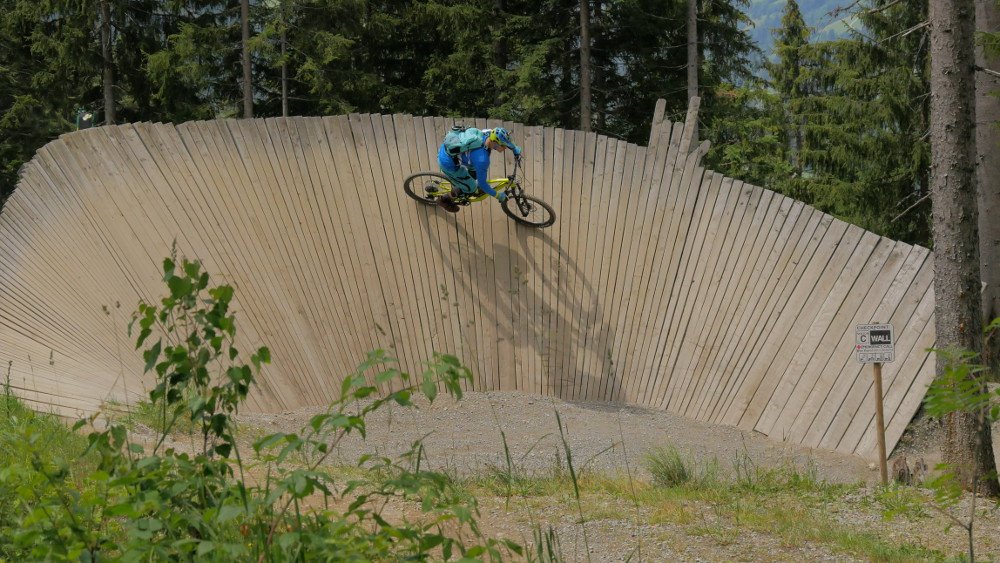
[(841, 123)]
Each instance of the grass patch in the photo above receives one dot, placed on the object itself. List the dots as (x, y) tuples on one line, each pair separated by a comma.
[(146, 414), (668, 468), (786, 517), (898, 500), (25, 433), (786, 503)]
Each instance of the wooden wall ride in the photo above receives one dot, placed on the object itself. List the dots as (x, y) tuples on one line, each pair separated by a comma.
[(662, 284)]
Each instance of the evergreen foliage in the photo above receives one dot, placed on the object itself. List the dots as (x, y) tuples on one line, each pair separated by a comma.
[(178, 60), (840, 124)]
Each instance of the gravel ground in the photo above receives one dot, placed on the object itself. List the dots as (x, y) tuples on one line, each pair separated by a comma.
[(465, 437)]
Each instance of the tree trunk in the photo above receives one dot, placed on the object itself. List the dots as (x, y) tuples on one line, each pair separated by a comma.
[(988, 176), (957, 310), (585, 119), (247, 79), (500, 51), (284, 62), (692, 59), (597, 71), (108, 64)]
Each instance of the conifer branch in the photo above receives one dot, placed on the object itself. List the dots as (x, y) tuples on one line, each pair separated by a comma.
[(907, 210), (992, 73), (906, 32), (841, 9), (882, 8)]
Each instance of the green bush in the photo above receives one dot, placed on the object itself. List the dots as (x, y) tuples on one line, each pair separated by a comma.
[(165, 504)]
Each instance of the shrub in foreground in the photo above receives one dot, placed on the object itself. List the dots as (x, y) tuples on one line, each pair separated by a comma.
[(158, 503)]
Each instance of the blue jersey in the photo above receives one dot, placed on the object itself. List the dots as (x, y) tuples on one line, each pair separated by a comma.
[(476, 159), (468, 149)]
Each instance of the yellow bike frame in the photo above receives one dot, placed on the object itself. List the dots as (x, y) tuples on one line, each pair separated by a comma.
[(498, 184)]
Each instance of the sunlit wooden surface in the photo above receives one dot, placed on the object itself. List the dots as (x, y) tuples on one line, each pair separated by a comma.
[(661, 284)]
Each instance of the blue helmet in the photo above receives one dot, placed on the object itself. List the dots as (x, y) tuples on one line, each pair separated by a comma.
[(502, 136)]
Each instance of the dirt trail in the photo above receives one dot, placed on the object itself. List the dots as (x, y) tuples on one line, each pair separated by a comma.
[(465, 436)]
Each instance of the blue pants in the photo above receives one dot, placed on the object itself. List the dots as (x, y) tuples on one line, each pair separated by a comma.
[(459, 174)]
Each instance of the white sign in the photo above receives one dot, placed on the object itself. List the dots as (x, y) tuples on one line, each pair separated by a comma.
[(875, 344)]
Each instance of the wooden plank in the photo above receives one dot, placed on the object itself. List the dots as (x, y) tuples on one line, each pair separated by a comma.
[(658, 120), (647, 192), (263, 193), (399, 241), (912, 397), (683, 283), (734, 287), (576, 236), (690, 125), (815, 381), (777, 380), (352, 344), (597, 197), (634, 193), (267, 160), (828, 302), (913, 279), (667, 188), (478, 224), (458, 263), (712, 260), (832, 233), (433, 280), (772, 279), (664, 184), (747, 205), (369, 186), (535, 244), (685, 188), (253, 275), (910, 321), (297, 186), (695, 272), (824, 404)]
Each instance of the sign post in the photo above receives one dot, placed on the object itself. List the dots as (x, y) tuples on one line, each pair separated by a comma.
[(880, 421), (875, 345)]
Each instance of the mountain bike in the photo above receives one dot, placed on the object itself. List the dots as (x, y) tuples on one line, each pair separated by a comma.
[(428, 187)]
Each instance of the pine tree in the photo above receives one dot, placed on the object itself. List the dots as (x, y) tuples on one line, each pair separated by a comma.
[(196, 74), (957, 303), (47, 73), (988, 166)]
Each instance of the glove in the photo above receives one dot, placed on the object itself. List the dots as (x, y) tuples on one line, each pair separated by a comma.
[(517, 157), (502, 197)]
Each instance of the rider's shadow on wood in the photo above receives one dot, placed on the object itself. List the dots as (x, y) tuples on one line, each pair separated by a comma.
[(551, 312)]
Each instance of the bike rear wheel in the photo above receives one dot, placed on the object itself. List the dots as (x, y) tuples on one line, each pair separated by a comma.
[(529, 210), (426, 187)]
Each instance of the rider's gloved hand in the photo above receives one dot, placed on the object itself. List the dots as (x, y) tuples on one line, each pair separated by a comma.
[(517, 157), (502, 197)]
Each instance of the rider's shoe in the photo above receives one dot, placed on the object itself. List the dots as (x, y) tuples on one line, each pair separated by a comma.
[(447, 202)]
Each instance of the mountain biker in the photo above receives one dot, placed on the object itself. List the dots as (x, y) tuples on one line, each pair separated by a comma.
[(465, 159)]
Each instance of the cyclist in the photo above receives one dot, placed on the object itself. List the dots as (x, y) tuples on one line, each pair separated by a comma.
[(465, 159)]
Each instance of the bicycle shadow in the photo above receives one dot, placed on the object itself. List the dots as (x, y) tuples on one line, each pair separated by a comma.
[(552, 313)]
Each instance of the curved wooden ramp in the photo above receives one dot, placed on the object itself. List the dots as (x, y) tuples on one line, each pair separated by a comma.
[(661, 284)]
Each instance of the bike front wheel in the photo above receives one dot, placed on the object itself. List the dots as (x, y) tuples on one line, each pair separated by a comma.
[(427, 187), (529, 210)]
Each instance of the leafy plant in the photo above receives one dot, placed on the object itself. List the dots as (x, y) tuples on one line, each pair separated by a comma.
[(167, 504), (960, 388)]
